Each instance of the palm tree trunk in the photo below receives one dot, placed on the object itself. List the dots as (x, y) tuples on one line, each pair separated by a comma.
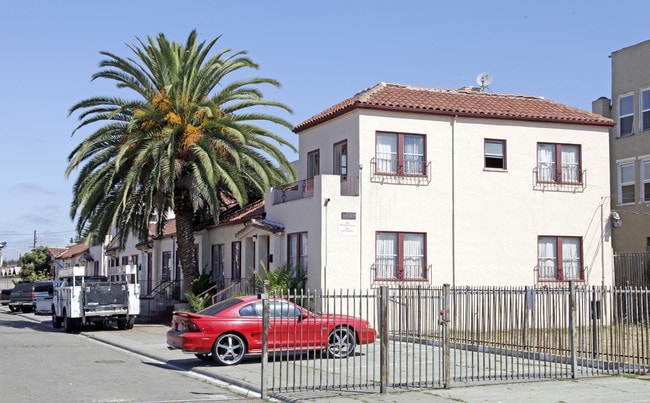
[(185, 234)]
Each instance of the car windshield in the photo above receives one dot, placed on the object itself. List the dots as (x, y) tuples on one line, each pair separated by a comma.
[(220, 306)]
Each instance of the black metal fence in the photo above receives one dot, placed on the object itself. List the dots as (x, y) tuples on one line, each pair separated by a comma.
[(437, 337)]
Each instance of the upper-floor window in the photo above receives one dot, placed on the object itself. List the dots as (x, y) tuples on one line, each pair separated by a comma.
[(313, 164), (495, 154), (645, 110), (645, 181), (625, 115), (400, 154), (298, 252), (400, 256), (558, 163), (341, 158), (626, 185), (560, 258)]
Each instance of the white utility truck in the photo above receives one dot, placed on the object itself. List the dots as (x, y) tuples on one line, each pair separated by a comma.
[(81, 298)]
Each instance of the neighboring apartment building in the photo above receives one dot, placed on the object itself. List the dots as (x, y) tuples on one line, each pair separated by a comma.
[(630, 146)]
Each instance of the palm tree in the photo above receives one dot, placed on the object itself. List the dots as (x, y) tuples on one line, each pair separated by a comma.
[(187, 138)]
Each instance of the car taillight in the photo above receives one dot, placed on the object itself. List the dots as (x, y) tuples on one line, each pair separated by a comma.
[(186, 326)]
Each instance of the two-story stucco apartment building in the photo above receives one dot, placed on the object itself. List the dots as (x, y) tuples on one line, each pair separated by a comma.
[(411, 185)]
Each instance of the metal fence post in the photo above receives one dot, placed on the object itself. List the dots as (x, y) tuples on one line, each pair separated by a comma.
[(446, 347), (572, 327), (265, 339), (383, 336)]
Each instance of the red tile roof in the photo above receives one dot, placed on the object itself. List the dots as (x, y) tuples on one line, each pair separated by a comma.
[(74, 250), (466, 102)]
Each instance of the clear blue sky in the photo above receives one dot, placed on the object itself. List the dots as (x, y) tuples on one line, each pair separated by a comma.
[(322, 52)]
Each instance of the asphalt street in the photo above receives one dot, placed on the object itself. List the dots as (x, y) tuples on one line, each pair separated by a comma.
[(244, 379)]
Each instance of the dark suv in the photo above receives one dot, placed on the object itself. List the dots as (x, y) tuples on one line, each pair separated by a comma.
[(24, 295)]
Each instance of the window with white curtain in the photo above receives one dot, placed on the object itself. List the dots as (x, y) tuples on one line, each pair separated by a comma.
[(568, 170), (400, 154), (400, 256), (560, 258)]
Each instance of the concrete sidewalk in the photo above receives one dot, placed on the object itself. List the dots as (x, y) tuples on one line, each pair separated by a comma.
[(149, 340)]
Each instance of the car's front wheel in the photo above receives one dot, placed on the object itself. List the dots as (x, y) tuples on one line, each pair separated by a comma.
[(229, 349), (341, 342)]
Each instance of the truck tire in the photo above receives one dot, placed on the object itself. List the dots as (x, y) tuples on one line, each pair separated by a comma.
[(125, 324), (71, 325), (56, 320)]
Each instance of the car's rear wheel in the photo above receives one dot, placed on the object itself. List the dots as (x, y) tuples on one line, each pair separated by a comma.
[(229, 349), (204, 356), (341, 342)]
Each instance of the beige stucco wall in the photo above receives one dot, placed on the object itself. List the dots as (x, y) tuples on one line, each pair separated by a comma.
[(481, 225)]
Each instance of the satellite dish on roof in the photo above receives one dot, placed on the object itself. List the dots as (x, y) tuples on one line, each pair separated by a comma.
[(484, 79)]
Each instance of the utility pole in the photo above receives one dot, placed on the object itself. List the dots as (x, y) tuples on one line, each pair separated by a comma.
[(34, 240)]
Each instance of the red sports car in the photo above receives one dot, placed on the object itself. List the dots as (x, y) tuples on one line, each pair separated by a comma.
[(228, 330)]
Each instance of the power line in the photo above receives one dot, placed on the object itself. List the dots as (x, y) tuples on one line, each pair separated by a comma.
[(40, 233)]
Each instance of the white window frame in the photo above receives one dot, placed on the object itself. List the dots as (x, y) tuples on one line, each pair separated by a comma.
[(622, 116), (621, 183), (644, 113), (645, 180)]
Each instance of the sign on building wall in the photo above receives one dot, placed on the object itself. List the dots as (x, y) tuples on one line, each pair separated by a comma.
[(348, 224)]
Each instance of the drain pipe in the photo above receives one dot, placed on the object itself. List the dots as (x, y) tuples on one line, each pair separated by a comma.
[(453, 201)]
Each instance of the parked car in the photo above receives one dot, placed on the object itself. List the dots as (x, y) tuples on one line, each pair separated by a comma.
[(229, 330), (6, 296), (24, 295)]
